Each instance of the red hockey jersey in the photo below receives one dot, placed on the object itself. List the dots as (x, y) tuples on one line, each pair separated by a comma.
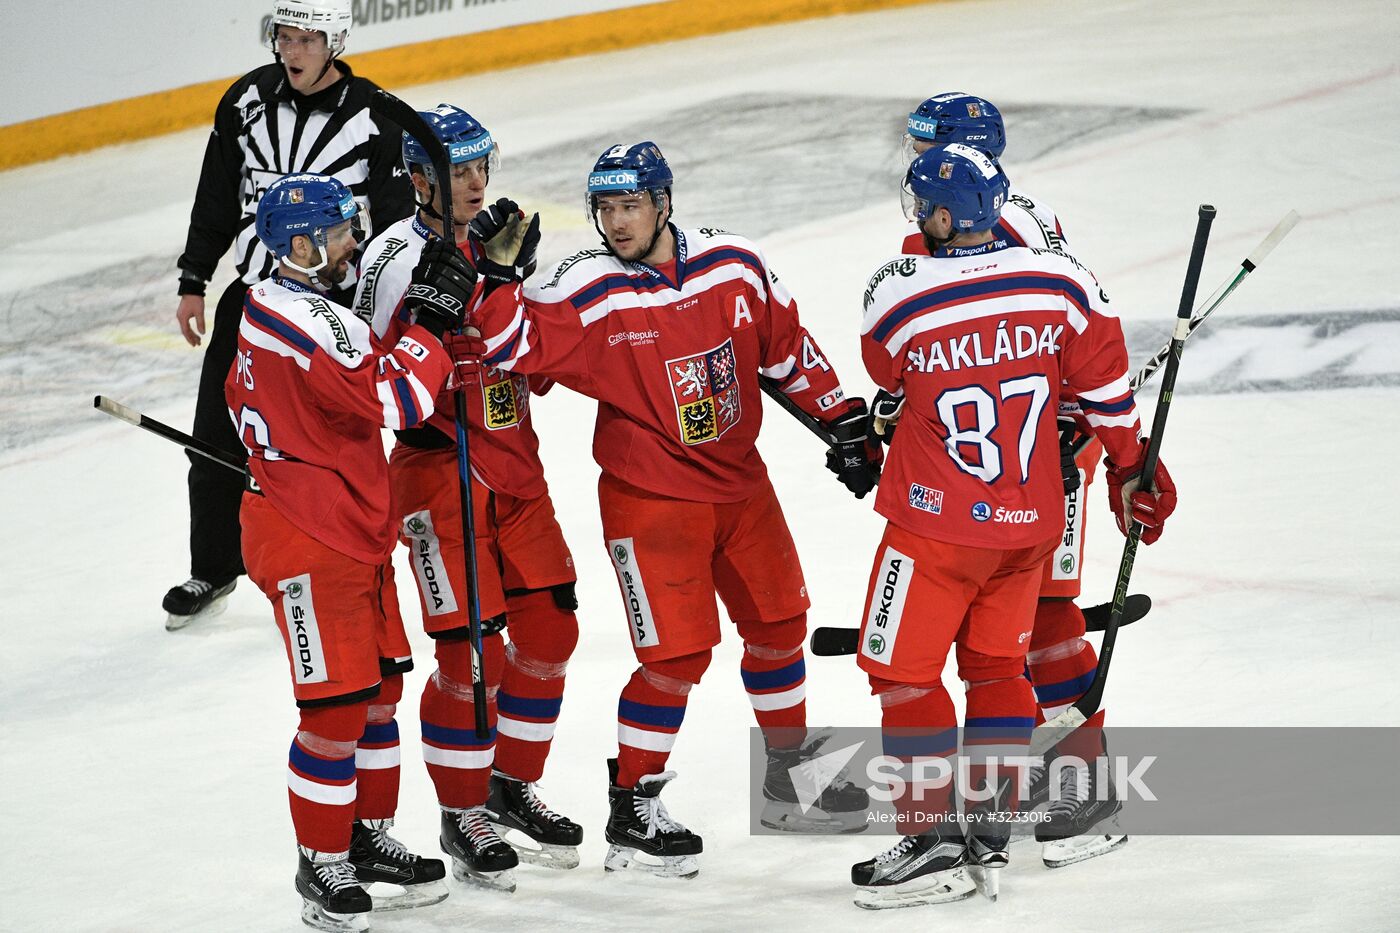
[(980, 344), (674, 365), (505, 449), (309, 395)]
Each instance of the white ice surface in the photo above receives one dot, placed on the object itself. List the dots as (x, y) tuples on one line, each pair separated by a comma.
[(141, 772)]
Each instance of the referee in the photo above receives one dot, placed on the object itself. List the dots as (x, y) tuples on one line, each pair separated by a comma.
[(304, 112)]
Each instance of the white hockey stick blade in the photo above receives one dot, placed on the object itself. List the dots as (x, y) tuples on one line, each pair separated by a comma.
[(1047, 735), (1281, 230), (117, 410)]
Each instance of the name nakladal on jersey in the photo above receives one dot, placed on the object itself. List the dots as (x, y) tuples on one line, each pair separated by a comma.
[(965, 351)]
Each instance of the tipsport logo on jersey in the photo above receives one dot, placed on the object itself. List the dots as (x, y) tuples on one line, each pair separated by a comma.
[(706, 393)]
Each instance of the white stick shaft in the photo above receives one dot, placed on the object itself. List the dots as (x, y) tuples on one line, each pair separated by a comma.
[(1289, 221)]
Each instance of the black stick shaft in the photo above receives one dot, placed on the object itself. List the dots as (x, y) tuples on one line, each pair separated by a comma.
[(1089, 703), (770, 388), (192, 444), (412, 123)]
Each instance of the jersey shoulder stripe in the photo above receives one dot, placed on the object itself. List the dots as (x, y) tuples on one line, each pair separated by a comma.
[(994, 286)]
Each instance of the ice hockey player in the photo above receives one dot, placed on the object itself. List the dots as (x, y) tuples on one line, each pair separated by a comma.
[(1060, 661), (309, 393), (979, 337), (303, 112), (525, 572), (670, 330)]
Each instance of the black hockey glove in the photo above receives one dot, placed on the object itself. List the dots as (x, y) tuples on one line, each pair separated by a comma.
[(849, 458), (884, 415), (1070, 436), (508, 242), (441, 288)]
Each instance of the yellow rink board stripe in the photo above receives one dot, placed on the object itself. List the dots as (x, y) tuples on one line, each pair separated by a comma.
[(420, 62)]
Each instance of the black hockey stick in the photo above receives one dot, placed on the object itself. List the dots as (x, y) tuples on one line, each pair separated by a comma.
[(408, 119), (193, 444), (1217, 298), (1047, 735), (833, 641), (770, 389)]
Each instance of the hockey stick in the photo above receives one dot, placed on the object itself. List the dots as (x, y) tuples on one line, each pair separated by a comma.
[(770, 389), (193, 444), (1047, 735), (397, 111), (1217, 298), (831, 641)]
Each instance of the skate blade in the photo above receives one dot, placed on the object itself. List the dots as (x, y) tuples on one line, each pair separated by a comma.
[(503, 881), (988, 880), (174, 623), (317, 917), (943, 887), (1064, 852), (621, 858), (544, 854), (389, 896), (789, 818)]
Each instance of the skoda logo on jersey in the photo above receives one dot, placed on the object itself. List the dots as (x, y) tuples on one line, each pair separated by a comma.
[(877, 644), (417, 526), (981, 511), (620, 553), (1067, 564), (294, 591), (617, 180), (471, 149)]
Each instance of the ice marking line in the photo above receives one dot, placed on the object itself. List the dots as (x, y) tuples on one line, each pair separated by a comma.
[(1208, 121)]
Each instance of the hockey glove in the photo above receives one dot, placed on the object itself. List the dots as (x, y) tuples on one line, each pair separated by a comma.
[(884, 415), (1131, 503), (466, 349), (508, 242), (855, 464), (441, 287)]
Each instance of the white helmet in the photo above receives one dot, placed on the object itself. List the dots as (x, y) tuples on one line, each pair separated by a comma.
[(331, 17)]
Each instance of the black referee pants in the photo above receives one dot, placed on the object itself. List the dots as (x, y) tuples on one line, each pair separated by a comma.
[(216, 492)]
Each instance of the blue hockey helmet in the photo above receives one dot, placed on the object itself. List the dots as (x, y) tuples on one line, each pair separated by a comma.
[(965, 181), (956, 118), (463, 135), (623, 169), (304, 205)]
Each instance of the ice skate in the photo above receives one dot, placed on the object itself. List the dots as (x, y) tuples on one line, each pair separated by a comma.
[(538, 834), (331, 896), (917, 870), (830, 804), (1079, 825), (381, 860), (988, 853), (479, 856), (194, 599), (642, 834)]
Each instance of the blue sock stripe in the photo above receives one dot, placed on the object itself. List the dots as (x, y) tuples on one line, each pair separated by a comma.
[(336, 769), (941, 744), (457, 738), (380, 733), (1065, 690), (768, 680), (530, 707), (667, 717)]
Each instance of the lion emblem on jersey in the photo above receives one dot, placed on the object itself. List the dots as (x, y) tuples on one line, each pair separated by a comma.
[(505, 399), (706, 393)]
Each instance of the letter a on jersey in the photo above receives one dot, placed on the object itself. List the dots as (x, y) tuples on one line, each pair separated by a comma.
[(742, 316)]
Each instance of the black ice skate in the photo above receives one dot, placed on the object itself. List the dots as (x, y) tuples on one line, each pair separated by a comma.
[(194, 599), (1079, 825), (331, 896), (828, 803), (378, 857), (479, 855), (642, 834), (550, 840), (925, 869)]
